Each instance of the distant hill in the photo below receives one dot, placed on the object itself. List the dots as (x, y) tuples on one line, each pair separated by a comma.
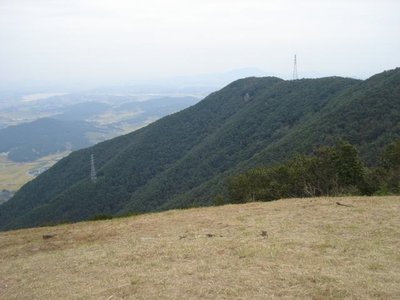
[(29, 141), (153, 108), (5, 195), (159, 106), (156, 108), (83, 111), (183, 160)]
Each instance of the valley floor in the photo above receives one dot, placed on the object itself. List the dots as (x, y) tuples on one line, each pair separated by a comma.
[(13, 175), (293, 249)]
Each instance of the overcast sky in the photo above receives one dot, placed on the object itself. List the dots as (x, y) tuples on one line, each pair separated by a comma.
[(121, 40)]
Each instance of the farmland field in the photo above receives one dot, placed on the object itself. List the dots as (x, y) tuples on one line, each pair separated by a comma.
[(14, 174)]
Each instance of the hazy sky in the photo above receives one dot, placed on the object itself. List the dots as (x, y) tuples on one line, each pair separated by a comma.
[(120, 40)]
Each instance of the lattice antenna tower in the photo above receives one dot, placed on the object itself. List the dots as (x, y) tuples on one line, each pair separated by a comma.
[(295, 76), (93, 176)]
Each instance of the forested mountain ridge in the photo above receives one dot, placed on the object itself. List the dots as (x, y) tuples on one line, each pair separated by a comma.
[(183, 159)]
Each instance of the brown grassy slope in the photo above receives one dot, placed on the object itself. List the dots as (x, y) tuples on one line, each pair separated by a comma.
[(314, 249)]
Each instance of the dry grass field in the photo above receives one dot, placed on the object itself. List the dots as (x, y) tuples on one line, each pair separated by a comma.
[(291, 249)]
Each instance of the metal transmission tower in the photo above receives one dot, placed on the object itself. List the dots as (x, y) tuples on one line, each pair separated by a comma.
[(93, 176), (295, 76)]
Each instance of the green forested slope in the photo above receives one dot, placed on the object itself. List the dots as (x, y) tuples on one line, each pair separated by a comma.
[(183, 159)]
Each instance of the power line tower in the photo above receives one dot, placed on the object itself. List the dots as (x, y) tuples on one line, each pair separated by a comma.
[(295, 76), (93, 176)]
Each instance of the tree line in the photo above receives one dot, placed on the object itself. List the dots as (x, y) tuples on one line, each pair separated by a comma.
[(329, 171)]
